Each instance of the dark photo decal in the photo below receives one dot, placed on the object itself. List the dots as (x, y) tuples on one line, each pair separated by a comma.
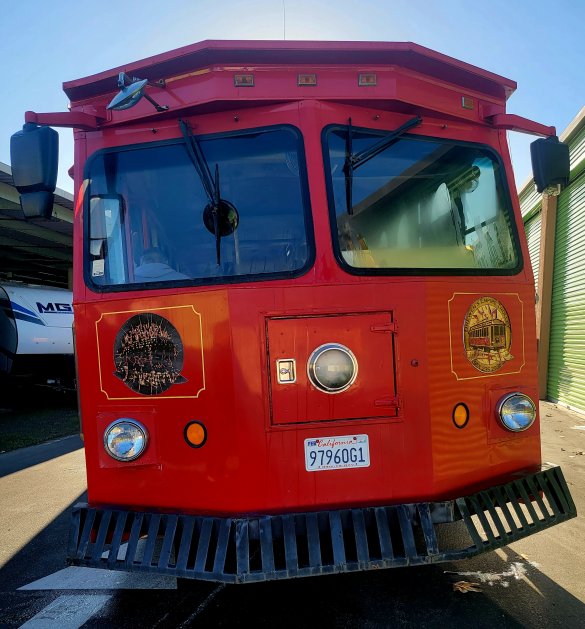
[(148, 354)]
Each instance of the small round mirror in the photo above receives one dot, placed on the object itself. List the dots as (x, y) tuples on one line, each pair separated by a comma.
[(228, 218), (128, 96)]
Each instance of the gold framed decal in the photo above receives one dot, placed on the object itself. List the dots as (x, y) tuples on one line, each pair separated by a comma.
[(151, 353), (486, 334)]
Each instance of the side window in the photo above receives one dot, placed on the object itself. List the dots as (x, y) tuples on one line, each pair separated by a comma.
[(106, 240)]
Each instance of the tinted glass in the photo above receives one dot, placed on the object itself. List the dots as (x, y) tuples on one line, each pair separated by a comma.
[(421, 204), (150, 219)]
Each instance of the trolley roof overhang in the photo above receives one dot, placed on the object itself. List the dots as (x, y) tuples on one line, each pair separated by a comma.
[(221, 75)]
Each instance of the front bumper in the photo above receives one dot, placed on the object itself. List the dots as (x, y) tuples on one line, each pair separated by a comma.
[(267, 547)]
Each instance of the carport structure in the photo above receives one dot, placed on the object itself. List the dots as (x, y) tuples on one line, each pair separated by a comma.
[(36, 251)]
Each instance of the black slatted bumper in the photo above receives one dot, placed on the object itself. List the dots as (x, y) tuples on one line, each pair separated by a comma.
[(259, 548)]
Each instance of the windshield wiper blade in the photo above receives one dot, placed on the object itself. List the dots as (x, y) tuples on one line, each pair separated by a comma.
[(364, 156), (215, 209), (353, 161), (210, 185), (348, 169), (198, 159)]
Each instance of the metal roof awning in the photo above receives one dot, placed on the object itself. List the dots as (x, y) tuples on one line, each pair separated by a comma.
[(39, 251)]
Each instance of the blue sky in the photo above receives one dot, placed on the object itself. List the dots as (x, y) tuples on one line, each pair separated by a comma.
[(538, 44)]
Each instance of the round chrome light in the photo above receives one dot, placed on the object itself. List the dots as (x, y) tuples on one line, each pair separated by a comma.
[(125, 439), (332, 368), (516, 411)]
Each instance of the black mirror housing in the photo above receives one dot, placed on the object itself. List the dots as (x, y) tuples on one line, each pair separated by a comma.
[(37, 204), (550, 163), (34, 156)]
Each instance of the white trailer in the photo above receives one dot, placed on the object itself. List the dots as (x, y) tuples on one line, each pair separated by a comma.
[(36, 336)]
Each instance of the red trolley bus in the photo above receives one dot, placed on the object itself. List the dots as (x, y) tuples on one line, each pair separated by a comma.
[(304, 310)]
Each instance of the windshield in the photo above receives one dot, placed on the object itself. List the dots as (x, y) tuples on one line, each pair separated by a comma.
[(420, 204), (150, 217)]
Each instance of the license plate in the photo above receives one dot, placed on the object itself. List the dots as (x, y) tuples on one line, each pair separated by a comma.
[(337, 453)]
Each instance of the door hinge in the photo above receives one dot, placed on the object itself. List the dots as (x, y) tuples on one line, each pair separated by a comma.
[(389, 402), (391, 327)]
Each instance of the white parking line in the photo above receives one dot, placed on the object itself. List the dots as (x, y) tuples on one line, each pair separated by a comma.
[(76, 578), (68, 612)]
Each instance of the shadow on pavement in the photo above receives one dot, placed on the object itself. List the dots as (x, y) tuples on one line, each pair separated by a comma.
[(17, 460), (404, 597)]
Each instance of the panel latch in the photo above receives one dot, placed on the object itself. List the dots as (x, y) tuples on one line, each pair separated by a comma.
[(286, 371)]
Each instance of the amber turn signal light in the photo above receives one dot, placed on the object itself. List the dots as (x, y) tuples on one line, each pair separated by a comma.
[(460, 415), (195, 434)]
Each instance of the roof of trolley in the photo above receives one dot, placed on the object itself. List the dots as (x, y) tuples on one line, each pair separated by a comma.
[(247, 54)]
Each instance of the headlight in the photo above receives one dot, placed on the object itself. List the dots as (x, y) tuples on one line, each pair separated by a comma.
[(332, 368), (516, 411), (125, 439)]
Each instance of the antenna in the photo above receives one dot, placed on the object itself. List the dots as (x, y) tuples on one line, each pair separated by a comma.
[(283, 19)]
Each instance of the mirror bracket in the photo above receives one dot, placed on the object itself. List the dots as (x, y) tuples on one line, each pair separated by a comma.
[(71, 119), (512, 122)]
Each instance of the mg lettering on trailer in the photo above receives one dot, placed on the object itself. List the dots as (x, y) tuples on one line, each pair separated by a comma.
[(54, 308)]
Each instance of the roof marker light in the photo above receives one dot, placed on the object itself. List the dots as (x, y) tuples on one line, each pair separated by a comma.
[(367, 79), (243, 80), (467, 103), (307, 79)]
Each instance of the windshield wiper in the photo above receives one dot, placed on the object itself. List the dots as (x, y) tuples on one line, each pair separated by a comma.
[(219, 216), (355, 160)]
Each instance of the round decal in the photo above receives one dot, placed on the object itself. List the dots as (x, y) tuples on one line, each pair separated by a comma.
[(148, 354), (487, 335)]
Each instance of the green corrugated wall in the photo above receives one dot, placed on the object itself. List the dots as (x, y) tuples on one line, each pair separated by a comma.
[(529, 200), (566, 376), (577, 145)]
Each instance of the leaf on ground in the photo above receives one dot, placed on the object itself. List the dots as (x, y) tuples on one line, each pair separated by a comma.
[(466, 586)]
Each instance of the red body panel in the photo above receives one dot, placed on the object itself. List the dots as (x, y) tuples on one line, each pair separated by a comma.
[(411, 375)]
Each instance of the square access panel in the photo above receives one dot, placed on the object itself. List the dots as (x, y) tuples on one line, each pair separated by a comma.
[(291, 343)]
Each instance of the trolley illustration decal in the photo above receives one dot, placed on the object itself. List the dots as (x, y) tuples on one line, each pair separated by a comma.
[(148, 354), (487, 335)]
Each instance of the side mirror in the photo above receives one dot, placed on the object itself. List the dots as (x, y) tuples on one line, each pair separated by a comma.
[(550, 163), (34, 155)]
